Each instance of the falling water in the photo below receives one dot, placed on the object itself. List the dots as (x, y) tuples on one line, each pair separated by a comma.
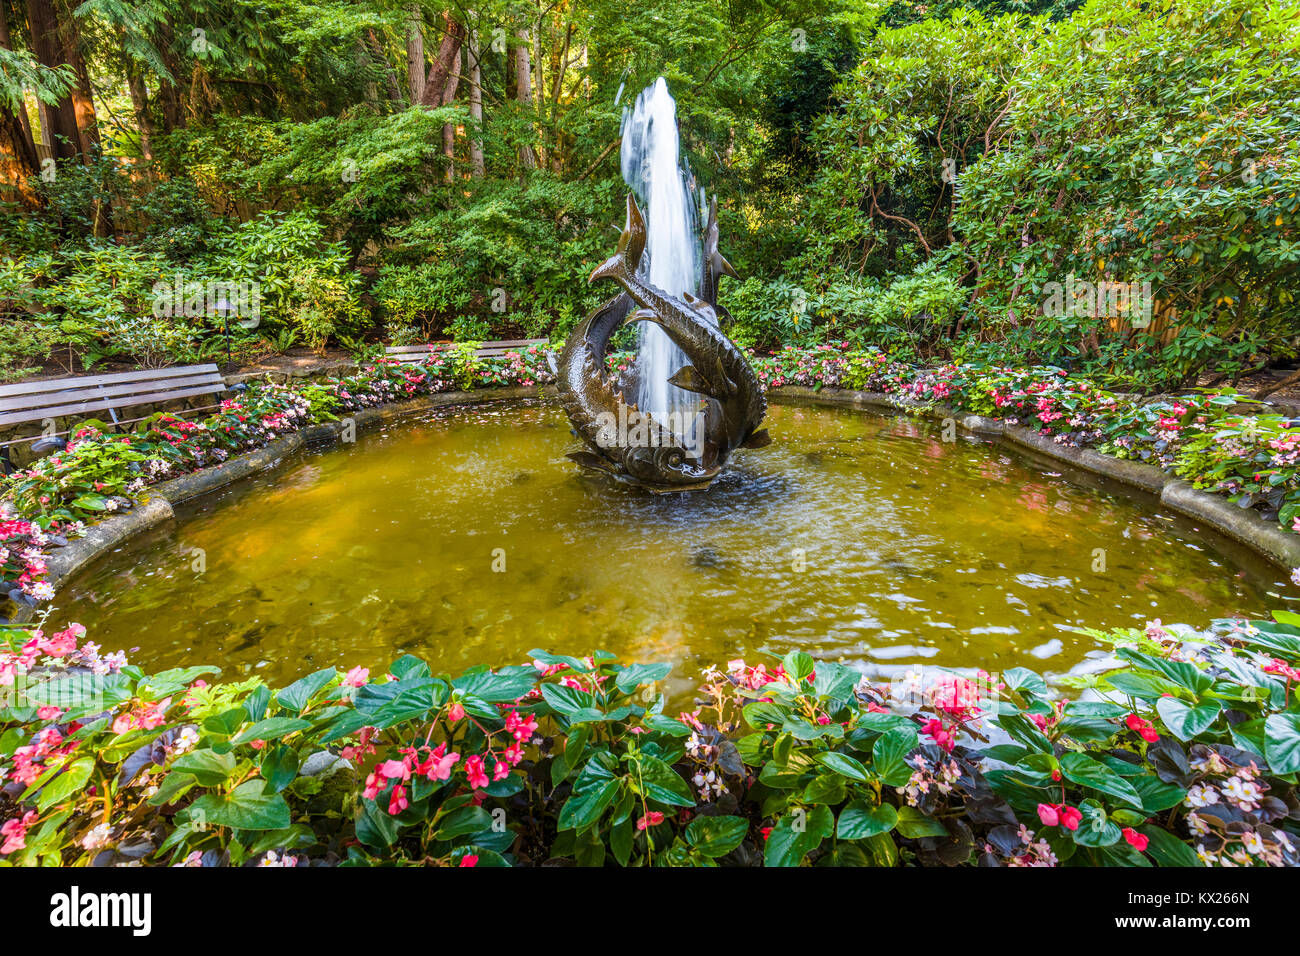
[(654, 170)]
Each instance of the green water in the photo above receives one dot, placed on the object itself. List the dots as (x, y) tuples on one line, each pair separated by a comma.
[(857, 537)]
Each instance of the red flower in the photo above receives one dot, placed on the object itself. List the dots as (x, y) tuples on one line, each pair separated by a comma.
[(651, 819), (1070, 817), (1143, 727), (469, 859), (1135, 839)]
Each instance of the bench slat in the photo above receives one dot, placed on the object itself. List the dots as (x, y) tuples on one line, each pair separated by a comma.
[(114, 378), (36, 403), (147, 398)]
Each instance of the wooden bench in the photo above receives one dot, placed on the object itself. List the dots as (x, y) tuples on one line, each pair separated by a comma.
[(27, 402), (418, 353)]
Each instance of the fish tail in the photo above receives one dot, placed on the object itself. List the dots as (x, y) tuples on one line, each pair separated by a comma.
[(622, 265)]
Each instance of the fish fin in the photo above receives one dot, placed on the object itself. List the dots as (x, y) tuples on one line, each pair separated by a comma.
[(689, 378), (643, 315), (758, 439), (622, 265), (703, 306), (590, 460), (725, 268)]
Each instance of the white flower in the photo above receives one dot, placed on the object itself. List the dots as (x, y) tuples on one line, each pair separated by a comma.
[(1252, 842), (1198, 826), (97, 837), (1245, 795), (1201, 795)]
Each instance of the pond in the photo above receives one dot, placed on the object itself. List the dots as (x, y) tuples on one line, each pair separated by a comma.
[(467, 537)]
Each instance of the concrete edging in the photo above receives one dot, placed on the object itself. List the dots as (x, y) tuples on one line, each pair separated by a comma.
[(1247, 527)]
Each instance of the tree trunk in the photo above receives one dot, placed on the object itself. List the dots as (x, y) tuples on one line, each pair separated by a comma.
[(18, 159), (444, 64), (140, 105), (380, 59), (64, 140), (415, 53), (449, 129), (524, 89), (477, 166)]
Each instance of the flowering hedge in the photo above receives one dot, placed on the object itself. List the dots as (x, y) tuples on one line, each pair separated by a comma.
[(1185, 754)]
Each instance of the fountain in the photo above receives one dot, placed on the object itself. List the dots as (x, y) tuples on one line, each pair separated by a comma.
[(691, 398)]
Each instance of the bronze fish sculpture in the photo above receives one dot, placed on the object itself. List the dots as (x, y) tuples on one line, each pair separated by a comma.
[(621, 439)]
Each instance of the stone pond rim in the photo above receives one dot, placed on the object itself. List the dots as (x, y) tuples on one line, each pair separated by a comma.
[(154, 506)]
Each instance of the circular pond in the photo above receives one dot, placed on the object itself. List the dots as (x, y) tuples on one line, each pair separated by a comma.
[(468, 538)]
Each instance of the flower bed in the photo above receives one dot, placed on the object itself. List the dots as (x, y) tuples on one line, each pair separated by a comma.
[(1186, 754)]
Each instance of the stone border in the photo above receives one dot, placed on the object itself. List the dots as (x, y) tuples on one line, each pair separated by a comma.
[(1241, 524), (156, 505)]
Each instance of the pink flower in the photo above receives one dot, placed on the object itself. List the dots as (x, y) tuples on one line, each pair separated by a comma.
[(48, 713), (1070, 817), (469, 859), (397, 802), (438, 765), (514, 753), (15, 832), (651, 819), (478, 778), (1136, 840), (456, 711), (520, 727), (356, 677), (500, 770), (1049, 814)]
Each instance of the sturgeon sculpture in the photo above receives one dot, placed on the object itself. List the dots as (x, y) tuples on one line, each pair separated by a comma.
[(621, 439)]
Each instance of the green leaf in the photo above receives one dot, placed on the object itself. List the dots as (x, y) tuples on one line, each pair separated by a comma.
[(661, 782), (1166, 849), (1082, 769), (1184, 721), (272, 728), (72, 780), (279, 767), (568, 701), (845, 766), (666, 725), (796, 834), (914, 824), (716, 836), (630, 678), (1282, 742), (462, 821), (296, 696), (799, 664), (889, 756), (247, 807), (207, 766), (860, 820), (1021, 678)]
